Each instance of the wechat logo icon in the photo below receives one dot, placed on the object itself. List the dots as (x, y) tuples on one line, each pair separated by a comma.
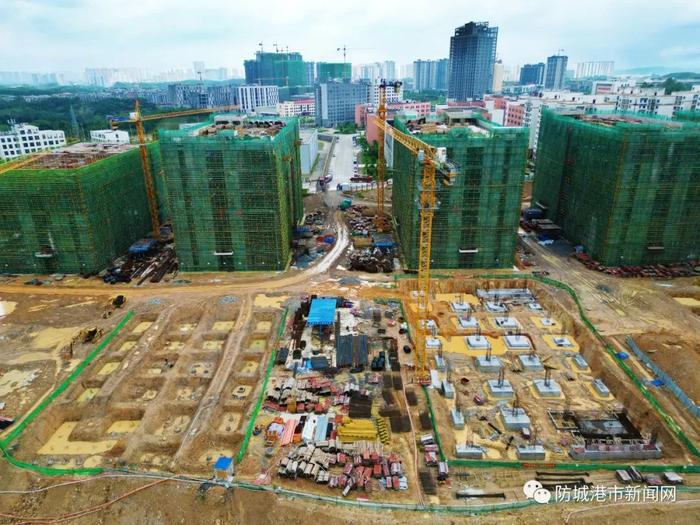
[(533, 490)]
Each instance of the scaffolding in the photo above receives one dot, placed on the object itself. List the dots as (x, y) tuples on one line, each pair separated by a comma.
[(234, 192), (625, 186), (476, 220), (73, 210)]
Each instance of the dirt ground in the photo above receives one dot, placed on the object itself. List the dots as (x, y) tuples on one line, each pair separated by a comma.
[(167, 394)]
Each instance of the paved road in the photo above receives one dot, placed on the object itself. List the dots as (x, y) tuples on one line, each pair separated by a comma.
[(341, 165)]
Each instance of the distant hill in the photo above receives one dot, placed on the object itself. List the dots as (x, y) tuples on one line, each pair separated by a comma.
[(661, 71)]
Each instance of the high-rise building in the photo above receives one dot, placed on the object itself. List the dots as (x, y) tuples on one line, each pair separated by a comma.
[(335, 101), (532, 74), (476, 224), (497, 77), (472, 56), (407, 71), (234, 185), (389, 70), (622, 185), (23, 139), (595, 69), (74, 210), (326, 71), (276, 69), (310, 73), (252, 97), (431, 74), (198, 68), (555, 72)]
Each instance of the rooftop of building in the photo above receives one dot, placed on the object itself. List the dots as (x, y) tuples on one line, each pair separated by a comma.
[(76, 155), (629, 120), (458, 119), (238, 126)]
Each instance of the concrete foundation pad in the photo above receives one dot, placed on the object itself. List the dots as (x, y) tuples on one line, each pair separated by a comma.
[(551, 390), (469, 323), (483, 364), (506, 323), (517, 342), (530, 363), (460, 307), (457, 418), (514, 419), (495, 307), (478, 342), (496, 390), (532, 452)]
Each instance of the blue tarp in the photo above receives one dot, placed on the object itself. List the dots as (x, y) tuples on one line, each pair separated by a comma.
[(223, 463), (322, 311)]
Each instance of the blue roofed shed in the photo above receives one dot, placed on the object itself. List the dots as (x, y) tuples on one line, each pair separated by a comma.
[(322, 311)]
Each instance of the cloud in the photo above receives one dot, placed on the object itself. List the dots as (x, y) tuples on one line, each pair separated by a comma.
[(162, 34)]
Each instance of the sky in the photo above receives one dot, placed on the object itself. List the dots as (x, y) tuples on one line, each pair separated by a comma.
[(70, 35)]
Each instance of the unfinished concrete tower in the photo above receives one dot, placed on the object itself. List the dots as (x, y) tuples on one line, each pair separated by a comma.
[(625, 186), (476, 223), (73, 210), (234, 187)]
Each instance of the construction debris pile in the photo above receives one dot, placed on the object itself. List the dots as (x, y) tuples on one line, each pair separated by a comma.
[(364, 466), (242, 126), (654, 271), (312, 240), (373, 251), (146, 259)]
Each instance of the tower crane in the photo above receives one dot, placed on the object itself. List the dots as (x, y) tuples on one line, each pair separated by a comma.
[(427, 202), (137, 119), (380, 219)]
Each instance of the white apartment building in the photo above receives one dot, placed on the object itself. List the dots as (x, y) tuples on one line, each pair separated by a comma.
[(595, 69), (109, 136), (252, 97), (23, 139), (296, 108), (391, 94)]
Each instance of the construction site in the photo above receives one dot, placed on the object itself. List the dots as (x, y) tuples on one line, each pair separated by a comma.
[(336, 392), (623, 186)]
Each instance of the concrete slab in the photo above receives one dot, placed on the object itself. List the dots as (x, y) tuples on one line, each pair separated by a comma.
[(495, 307), (468, 323), (505, 323), (533, 452)]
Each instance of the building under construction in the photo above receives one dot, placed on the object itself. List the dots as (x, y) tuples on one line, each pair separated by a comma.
[(476, 223), (234, 188), (73, 210), (625, 186)]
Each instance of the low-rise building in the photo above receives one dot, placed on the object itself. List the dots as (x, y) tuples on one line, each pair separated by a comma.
[(109, 136), (23, 139)]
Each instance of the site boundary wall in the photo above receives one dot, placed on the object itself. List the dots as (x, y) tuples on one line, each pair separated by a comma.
[(668, 381)]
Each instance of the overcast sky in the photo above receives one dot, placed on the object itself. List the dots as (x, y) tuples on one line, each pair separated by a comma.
[(51, 35)]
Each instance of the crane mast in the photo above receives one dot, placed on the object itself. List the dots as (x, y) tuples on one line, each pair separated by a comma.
[(380, 219), (427, 202), (137, 120)]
